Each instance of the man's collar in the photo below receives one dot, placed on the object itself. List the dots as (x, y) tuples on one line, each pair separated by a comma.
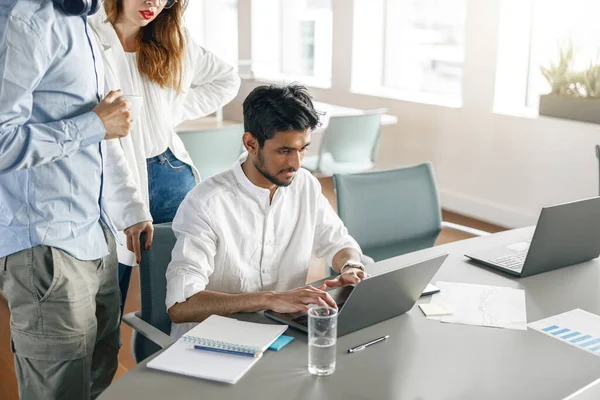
[(253, 189), (243, 180)]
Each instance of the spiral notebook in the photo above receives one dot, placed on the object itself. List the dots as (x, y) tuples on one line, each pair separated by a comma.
[(220, 333)]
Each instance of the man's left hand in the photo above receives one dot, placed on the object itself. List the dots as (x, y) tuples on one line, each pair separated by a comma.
[(350, 276)]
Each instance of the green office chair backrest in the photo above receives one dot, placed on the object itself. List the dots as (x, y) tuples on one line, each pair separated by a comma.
[(598, 156), (353, 138), (390, 212), (214, 150), (153, 287)]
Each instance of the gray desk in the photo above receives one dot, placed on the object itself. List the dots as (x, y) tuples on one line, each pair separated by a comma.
[(590, 392), (422, 359)]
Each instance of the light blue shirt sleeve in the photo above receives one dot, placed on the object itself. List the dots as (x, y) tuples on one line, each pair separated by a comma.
[(51, 160), (23, 63)]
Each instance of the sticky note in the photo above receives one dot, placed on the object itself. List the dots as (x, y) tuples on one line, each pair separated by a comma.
[(436, 309), (281, 342)]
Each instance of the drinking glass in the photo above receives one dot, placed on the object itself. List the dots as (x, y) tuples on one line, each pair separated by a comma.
[(322, 338)]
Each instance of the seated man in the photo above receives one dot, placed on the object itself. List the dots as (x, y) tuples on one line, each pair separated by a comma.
[(245, 237)]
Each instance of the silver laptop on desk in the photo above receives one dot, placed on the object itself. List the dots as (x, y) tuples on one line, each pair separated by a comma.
[(375, 299), (565, 234)]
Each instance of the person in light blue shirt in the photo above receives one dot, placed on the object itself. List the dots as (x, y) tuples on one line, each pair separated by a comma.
[(58, 265)]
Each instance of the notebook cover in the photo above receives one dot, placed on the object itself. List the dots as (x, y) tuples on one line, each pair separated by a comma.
[(216, 331), (182, 359)]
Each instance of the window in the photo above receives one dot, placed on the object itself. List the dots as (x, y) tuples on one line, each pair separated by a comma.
[(531, 33), (421, 53), (551, 29), (214, 25), (307, 49), (292, 40)]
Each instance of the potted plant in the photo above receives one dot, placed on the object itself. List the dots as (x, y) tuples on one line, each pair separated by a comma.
[(575, 94)]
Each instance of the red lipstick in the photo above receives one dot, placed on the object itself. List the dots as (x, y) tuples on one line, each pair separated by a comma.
[(147, 14)]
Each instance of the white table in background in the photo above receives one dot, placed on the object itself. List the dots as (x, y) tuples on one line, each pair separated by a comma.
[(333, 110), (204, 124), (214, 123)]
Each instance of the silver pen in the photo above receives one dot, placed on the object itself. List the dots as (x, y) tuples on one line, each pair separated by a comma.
[(365, 345)]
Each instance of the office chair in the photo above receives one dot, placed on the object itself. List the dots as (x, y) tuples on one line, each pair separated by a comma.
[(393, 212), (152, 325), (598, 156), (214, 150), (349, 144)]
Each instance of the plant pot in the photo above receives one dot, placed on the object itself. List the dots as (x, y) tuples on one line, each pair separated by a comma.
[(575, 108)]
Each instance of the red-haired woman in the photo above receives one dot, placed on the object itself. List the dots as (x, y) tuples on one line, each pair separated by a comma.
[(148, 52)]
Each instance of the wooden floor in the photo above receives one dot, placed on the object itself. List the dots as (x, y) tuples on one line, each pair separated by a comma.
[(8, 382)]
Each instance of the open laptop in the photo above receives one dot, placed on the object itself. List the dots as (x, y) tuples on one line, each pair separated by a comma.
[(565, 234), (375, 299)]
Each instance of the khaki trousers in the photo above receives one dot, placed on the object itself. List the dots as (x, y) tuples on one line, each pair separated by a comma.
[(64, 321)]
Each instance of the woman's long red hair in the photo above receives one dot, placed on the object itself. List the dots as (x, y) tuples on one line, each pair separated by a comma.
[(160, 44)]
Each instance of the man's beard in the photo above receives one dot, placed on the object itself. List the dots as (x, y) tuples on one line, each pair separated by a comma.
[(259, 164)]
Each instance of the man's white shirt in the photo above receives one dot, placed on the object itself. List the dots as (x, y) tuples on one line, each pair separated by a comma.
[(231, 238)]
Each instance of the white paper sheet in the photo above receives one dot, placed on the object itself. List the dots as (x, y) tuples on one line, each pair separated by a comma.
[(481, 305), (577, 328)]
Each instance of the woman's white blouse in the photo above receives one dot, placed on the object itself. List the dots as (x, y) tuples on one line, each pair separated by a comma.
[(208, 84), (154, 138)]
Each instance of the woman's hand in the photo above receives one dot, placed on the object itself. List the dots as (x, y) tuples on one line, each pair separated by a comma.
[(133, 238)]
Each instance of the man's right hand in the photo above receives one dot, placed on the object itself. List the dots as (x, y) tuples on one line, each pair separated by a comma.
[(299, 299), (114, 114)]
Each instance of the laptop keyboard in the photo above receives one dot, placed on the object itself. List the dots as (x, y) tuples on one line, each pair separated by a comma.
[(513, 261), (303, 319)]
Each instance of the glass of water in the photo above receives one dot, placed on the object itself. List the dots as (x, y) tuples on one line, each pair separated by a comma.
[(322, 337)]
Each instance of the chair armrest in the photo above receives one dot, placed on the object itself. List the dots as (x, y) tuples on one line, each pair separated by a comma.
[(142, 327), (464, 229)]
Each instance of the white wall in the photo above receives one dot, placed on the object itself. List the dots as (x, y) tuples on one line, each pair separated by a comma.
[(497, 168)]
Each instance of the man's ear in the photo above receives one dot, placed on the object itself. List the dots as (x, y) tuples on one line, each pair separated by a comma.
[(250, 143)]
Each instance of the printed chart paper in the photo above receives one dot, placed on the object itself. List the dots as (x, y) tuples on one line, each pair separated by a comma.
[(577, 328)]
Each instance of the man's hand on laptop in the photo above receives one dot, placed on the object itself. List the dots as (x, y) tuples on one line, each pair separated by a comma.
[(299, 299), (349, 276)]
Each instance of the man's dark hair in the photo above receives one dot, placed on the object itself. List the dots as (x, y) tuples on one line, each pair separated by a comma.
[(272, 109)]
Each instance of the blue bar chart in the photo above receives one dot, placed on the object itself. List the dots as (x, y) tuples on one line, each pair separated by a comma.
[(577, 328)]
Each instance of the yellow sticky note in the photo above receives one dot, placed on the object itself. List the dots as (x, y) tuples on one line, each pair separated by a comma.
[(436, 309)]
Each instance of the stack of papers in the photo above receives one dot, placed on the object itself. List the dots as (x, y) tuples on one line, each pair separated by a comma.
[(436, 309), (482, 305)]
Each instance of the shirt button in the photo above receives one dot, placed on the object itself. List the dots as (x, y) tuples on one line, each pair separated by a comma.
[(264, 271)]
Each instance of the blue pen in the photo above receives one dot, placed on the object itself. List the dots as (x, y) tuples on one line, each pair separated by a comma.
[(237, 353)]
